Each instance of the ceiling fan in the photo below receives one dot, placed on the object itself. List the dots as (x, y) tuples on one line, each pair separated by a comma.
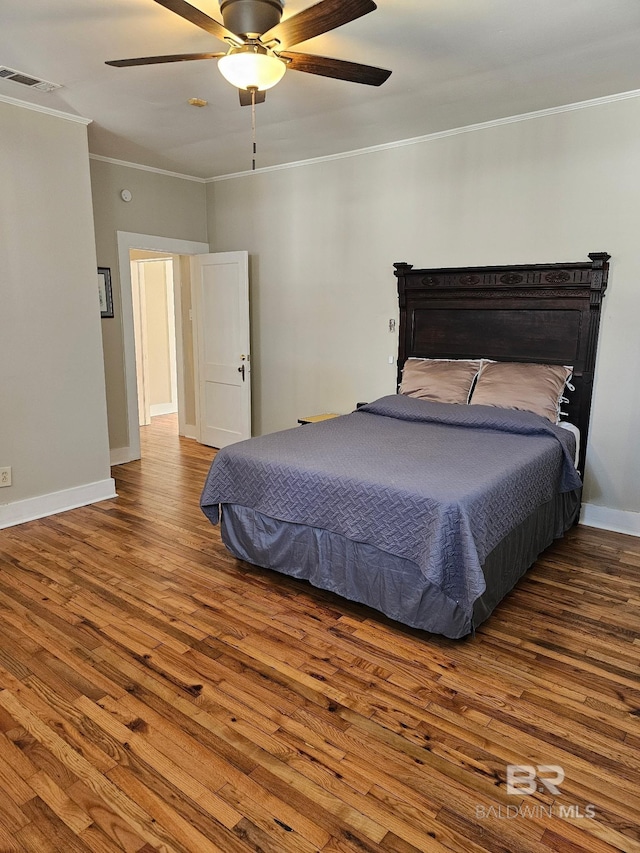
[(258, 40)]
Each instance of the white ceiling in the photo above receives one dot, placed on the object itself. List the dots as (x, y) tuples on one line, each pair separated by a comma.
[(454, 63)]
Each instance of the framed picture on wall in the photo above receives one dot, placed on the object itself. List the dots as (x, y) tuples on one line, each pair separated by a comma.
[(104, 289)]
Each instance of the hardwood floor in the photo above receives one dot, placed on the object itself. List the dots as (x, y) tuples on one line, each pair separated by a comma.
[(158, 695)]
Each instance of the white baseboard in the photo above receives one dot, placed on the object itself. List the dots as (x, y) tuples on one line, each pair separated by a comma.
[(190, 431), (27, 510), (618, 520), (162, 409)]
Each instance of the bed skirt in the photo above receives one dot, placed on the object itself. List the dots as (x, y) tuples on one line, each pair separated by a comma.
[(393, 585)]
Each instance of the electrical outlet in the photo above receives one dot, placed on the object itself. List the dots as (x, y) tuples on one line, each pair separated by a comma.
[(5, 476)]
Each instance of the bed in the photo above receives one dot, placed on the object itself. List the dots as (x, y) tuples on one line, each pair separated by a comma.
[(428, 509)]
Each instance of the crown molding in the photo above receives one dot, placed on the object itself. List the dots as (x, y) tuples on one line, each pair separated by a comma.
[(144, 168), (37, 108), (418, 140), (402, 143)]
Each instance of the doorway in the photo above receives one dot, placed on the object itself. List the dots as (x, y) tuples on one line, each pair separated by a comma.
[(180, 252), (154, 323)]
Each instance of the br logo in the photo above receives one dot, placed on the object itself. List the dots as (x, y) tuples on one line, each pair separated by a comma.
[(527, 779)]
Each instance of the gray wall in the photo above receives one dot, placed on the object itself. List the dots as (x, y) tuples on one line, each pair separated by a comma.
[(52, 394), (323, 238), (162, 205)]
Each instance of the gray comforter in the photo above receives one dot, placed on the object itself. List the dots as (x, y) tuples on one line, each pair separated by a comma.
[(437, 484)]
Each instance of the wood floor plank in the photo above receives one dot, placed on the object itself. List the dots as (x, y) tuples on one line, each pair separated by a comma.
[(158, 695), (177, 775), (67, 811), (58, 833), (110, 824), (60, 750)]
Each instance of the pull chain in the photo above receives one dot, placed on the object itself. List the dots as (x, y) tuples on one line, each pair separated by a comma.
[(253, 128)]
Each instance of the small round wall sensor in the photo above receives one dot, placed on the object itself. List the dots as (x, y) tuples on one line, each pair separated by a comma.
[(125, 195)]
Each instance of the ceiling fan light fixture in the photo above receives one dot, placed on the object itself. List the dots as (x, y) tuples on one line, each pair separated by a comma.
[(252, 66)]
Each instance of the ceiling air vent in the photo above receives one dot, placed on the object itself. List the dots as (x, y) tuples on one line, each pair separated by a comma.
[(27, 80)]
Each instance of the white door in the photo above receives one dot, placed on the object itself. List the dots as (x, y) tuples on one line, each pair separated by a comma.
[(221, 301)]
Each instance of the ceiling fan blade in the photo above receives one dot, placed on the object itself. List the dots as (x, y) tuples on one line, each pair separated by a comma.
[(155, 60), (353, 72), (245, 97), (197, 17), (318, 19)]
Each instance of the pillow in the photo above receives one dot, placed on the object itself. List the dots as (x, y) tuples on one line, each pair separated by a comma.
[(531, 387), (439, 380)]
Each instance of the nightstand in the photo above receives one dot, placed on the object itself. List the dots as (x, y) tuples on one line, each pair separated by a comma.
[(314, 419)]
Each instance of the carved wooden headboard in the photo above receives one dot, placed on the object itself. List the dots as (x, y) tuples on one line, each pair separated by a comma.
[(545, 313)]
